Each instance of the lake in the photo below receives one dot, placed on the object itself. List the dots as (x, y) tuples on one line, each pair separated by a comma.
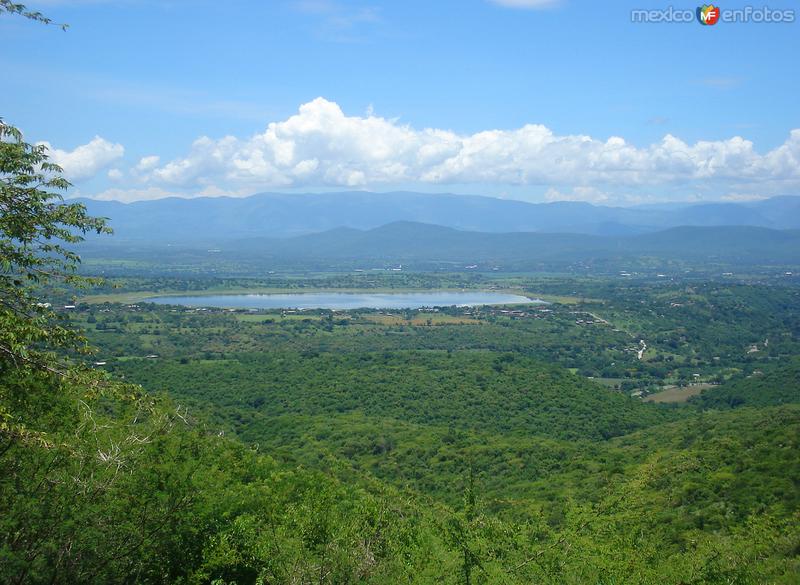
[(324, 300)]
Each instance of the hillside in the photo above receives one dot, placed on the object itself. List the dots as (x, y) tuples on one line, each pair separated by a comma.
[(778, 384), (484, 391), (540, 452)]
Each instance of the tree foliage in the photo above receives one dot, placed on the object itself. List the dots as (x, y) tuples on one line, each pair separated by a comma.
[(35, 227), (9, 7)]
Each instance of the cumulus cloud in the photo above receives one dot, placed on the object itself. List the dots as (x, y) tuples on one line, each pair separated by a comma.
[(147, 163), (322, 147), (87, 160)]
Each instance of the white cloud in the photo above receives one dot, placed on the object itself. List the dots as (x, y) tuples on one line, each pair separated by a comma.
[(588, 194), (147, 163), (128, 195), (321, 147), (214, 191), (115, 174), (87, 160), (151, 193), (738, 197)]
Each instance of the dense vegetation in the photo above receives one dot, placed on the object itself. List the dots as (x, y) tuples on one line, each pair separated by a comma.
[(441, 403), (775, 386), (698, 332)]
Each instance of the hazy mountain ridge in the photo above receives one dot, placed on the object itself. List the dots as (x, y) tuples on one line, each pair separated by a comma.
[(285, 215), (425, 246), (415, 241)]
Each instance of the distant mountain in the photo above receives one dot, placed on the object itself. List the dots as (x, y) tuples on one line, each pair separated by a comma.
[(213, 220), (410, 241), (778, 212), (420, 246)]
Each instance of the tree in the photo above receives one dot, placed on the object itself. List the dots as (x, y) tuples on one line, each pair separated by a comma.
[(35, 225), (6, 6)]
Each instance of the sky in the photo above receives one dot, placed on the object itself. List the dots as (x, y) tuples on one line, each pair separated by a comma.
[(537, 100)]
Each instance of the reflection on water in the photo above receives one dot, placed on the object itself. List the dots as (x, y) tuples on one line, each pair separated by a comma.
[(346, 300)]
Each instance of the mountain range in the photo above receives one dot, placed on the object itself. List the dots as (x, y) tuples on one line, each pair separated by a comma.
[(209, 220), (424, 247)]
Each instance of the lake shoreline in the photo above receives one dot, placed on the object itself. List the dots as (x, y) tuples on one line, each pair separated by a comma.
[(341, 300)]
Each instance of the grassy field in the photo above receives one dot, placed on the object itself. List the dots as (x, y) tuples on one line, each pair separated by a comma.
[(673, 395), (610, 382), (421, 319), (272, 317), (559, 299)]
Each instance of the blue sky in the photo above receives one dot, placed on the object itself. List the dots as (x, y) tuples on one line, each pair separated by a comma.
[(529, 99)]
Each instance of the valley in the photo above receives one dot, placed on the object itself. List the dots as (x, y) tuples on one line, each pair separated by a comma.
[(539, 410)]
